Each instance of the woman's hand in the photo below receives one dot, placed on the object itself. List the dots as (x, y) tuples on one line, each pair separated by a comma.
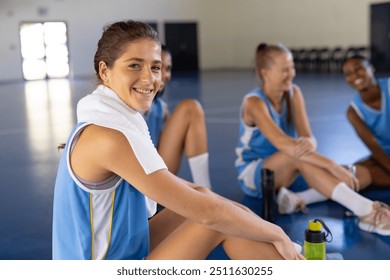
[(346, 175), (287, 250), (305, 146)]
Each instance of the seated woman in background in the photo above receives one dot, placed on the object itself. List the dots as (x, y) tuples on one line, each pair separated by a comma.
[(110, 168), (369, 114), (275, 134), (184, 130)]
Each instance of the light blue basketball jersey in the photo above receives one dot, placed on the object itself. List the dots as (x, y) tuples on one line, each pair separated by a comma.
[(378, 121), (155, 119), (253, 147), (108, 221)]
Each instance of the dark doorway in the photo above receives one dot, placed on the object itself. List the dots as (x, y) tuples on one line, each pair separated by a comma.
[(380, 37), (182, 40)]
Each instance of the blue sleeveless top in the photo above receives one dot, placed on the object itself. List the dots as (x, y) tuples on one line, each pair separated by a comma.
[(155, 119), (378, 121), (252, 144), (108, 221), (253, 147)]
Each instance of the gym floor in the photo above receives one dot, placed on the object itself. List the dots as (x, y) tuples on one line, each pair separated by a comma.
[(37, 116)]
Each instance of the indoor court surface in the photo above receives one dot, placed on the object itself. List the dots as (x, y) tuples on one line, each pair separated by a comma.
[(36, 116)]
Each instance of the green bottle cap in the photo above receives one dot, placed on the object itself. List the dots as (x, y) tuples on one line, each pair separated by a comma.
[(314, 226)]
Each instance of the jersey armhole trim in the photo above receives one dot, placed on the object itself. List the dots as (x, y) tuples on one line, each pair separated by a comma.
[(84, 187)]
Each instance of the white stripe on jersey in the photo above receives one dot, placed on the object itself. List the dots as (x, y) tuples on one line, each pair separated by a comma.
[(101, 223)]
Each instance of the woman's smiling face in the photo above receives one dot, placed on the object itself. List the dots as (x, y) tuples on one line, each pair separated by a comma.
[(358, 74), (280, 74), (136, 74)]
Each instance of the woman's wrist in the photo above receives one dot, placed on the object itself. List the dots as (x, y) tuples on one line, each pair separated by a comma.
[(279, 234)]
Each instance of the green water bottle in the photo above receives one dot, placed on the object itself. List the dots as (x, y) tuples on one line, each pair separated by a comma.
[(315, 240)]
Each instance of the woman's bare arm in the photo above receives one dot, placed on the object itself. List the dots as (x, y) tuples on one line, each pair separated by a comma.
[(258, 111), (368, 138), (113, 154)]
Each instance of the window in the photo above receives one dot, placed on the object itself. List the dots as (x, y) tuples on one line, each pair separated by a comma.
[(44, 50)]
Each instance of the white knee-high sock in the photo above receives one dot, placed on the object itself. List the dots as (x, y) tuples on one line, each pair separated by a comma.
[(311, 196), (355, 202), (199, 166)]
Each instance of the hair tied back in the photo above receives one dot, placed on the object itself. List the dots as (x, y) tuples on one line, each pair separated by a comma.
[(261, 47)]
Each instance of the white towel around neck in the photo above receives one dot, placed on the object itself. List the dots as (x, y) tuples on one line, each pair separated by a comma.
[(104, 108)]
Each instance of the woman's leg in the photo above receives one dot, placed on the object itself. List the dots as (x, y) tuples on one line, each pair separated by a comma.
[(366, 170), (311, 195), (374, 216), (286, 169), (162, 225), (186, 131), (370, 172), (319, 179), (172, 237)]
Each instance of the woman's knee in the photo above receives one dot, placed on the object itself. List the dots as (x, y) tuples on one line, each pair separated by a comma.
[(281, 161), (364, 176), (201, 239), (190, 107)]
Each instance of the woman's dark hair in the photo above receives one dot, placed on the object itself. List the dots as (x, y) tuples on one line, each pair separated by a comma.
[(164, 48), (116, 36), (113, 41), (160, 93), (358, 57), (265, 58), (265, 54)]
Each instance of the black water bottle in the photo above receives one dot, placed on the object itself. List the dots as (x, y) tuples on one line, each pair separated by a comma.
[(268, 199)]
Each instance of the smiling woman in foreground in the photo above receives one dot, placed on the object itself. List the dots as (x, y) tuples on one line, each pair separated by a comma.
[(111, 176)]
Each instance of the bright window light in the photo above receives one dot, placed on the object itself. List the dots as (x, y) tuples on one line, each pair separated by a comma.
[(44, 50), (57, 51), (57, 68), (34, 69), (55, 33), (31, 36)]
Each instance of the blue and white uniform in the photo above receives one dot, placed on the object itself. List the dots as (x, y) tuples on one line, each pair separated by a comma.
[(378, 121), (104, 220), (155, 119), (253, 147)]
